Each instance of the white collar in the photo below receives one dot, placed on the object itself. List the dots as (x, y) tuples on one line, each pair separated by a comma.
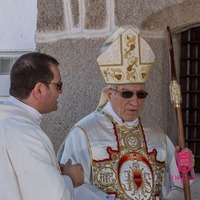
[(34, 114), (108, 109)]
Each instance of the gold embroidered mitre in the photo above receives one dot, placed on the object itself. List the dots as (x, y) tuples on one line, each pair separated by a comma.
[(125, 58)]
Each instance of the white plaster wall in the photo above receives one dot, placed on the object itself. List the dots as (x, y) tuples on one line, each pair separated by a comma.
[(18, 24)]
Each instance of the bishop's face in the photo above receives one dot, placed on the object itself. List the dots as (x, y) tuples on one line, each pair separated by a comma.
[(127, 107)]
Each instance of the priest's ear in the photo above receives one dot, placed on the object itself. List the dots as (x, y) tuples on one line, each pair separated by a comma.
[(39, 90)]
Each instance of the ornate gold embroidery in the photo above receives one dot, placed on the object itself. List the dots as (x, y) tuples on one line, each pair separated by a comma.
[(116, 74), (131, 172), (133, 142)]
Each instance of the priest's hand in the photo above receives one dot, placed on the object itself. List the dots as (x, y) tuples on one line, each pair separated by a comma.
[(75, 172)]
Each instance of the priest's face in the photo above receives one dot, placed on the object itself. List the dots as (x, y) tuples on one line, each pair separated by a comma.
[(127, 100), (52, 92)]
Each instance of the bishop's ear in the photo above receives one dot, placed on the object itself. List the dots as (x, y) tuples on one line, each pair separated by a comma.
[(107, 92)]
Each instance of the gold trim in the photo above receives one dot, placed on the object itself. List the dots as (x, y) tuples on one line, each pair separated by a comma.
[(88, 141), (139, 49), (121, 52)]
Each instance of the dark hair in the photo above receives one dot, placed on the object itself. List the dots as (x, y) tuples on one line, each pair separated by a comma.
[(28, 70)]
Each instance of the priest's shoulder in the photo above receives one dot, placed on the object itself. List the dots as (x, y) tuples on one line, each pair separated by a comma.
[(8, 111)]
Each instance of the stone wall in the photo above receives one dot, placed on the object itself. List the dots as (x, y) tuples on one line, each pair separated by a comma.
[(73, 31)]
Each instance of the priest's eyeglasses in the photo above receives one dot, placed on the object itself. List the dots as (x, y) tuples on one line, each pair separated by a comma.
[(141, 94), (58, 85)]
